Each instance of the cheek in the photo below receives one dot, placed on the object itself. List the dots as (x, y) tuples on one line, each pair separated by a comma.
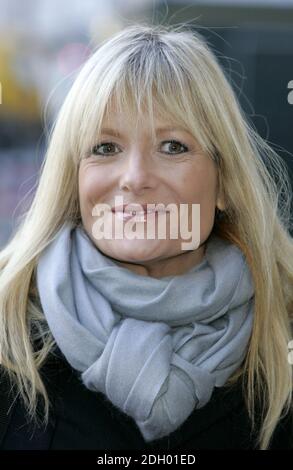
[(199, 186), (92, 185)]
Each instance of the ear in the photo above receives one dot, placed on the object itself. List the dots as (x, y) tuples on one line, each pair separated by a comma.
[(220, 203)]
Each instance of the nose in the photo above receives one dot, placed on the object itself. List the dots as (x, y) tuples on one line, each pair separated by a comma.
[(138, 173)]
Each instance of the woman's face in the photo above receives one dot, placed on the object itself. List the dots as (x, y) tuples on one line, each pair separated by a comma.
[(126, 163)]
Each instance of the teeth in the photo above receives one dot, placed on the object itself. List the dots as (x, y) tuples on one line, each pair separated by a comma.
[(149, 211), (133, 212)]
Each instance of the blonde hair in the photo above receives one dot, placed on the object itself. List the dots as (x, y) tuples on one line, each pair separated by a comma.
[(172, 71)]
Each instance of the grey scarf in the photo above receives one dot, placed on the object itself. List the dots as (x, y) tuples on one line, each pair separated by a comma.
[(155, 347)]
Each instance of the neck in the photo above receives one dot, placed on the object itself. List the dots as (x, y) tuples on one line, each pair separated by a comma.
[(172, 266)]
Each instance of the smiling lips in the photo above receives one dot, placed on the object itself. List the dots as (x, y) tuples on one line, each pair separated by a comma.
[(127, 211)]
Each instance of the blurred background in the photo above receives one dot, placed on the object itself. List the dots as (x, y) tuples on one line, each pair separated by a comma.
[(44, 42)]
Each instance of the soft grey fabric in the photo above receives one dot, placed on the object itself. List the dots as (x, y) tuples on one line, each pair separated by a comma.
[(155, 347)]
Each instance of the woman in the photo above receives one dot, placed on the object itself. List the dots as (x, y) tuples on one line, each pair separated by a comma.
[(137, 342)]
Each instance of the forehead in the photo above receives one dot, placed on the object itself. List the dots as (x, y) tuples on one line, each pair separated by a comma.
[(159, 129), (117, 123), (124, 117), (122, 111)]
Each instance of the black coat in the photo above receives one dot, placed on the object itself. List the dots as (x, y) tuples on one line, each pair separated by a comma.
[(82, 419)]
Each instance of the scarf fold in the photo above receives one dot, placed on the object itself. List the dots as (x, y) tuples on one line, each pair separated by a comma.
[(155, 347)]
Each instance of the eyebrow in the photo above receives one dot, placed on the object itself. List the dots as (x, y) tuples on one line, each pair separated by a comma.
[(159, 130)]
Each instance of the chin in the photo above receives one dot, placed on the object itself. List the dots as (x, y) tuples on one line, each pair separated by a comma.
[(133, 250)]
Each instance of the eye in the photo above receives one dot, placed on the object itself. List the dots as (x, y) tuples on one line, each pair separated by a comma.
[(107, 146), (175, 145)]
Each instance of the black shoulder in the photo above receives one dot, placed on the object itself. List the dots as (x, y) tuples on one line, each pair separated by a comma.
[(6, 403), (17, 430), (283, 434), (282, 437)]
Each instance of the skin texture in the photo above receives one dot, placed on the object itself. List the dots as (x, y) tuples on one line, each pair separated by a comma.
[(138, 169)]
